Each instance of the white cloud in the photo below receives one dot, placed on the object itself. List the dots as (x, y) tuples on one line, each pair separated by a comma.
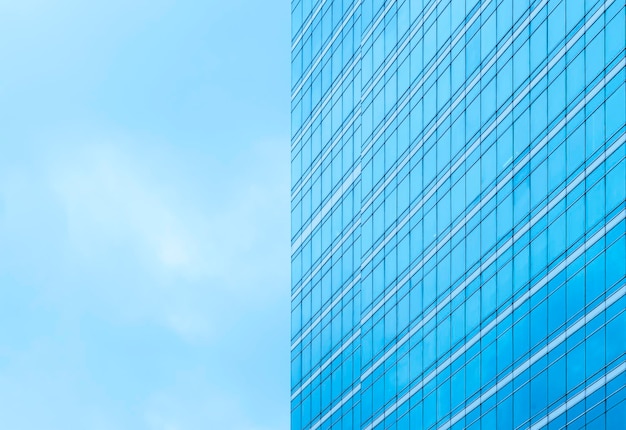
[(146, 231), (153, 238), (108, 201)]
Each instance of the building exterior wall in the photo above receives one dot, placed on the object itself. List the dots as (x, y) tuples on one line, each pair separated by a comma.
[(458, 214)]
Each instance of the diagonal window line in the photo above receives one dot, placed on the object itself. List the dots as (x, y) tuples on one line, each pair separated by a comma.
[(582, 395), (541, 353), (550, 205)]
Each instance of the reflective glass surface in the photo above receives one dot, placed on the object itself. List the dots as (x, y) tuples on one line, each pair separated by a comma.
[(458, 214)]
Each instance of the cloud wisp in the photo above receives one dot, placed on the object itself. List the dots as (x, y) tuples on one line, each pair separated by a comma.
[(138, 234)]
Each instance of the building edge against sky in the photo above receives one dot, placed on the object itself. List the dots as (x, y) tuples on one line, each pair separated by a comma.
[(458, 214)]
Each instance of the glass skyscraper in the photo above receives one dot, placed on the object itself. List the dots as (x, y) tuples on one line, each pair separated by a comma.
[(458, 214)]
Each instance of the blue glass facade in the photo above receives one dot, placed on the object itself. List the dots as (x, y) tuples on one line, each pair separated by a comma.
[(458, 214)]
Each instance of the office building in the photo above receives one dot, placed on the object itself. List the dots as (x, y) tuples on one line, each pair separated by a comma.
[(458, 214)]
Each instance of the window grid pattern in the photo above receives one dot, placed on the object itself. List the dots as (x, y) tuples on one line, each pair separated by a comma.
[(458, 213)]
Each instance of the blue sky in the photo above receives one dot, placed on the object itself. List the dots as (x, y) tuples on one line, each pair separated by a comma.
[(144, 207)]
